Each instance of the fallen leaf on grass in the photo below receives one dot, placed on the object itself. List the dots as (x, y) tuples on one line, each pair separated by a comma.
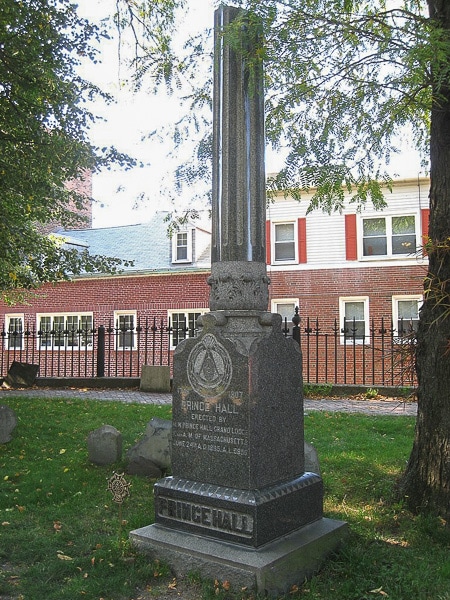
[(378, 591), (62, 556), (173, 585)]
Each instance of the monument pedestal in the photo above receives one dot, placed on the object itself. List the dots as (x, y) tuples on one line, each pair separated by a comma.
[(248, 517), (239, 506), (271, 569)]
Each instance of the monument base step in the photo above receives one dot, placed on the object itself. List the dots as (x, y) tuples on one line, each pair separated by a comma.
[(271, 569)]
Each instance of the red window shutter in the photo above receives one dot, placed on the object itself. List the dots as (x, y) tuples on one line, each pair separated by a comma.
[(351, 249), (301, 230), (425, 214), (268, 244)]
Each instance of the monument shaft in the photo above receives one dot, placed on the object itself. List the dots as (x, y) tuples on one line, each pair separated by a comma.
[(238, 208), (238, 271)]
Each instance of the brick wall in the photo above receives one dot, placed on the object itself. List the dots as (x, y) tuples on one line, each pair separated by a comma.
[(318, 292)]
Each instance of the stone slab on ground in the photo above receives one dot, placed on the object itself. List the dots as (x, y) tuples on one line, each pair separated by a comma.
[(272, 569)]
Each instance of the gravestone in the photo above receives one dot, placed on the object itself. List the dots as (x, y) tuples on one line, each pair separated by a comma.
[(104, 445), (239, 505), (21, 374), (8, 422), (150, 456)]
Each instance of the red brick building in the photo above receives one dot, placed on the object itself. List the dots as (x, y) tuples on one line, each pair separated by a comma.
[(353, 275)]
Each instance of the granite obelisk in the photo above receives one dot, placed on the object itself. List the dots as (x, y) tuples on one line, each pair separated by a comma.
[(239, 505)]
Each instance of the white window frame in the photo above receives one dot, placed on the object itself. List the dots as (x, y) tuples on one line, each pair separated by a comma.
[(8, 318), (274, 307), (388, 220), (395, 312), (120, 342), (288, 261), (66, 345), (187, 312), (175, 238), (342, 304)]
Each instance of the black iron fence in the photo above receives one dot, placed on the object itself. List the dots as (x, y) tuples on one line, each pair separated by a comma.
[(95, 351), (346, 354), (331, 353)]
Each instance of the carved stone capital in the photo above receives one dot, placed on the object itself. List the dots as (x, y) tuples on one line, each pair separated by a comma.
[(237, 285)]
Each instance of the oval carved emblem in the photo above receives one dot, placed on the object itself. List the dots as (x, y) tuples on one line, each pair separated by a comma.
[(209, 367)]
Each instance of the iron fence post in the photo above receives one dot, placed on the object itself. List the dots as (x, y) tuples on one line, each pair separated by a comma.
[(101, 335)]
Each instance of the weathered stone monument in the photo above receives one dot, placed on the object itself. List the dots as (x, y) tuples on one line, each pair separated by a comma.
[(104, 445), (239, 505)]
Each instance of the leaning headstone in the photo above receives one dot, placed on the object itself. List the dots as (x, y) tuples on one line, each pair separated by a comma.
[(151, 455), (104, 445), (8, 422), (240, 504), (21, 374)]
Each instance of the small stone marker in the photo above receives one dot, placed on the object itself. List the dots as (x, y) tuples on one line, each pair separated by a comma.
[(155, 378), (151, 455), (21, 374), (8, 422), (311, 459), (104, 445)]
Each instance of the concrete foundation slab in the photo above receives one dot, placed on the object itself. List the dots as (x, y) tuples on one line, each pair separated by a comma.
[(271, 569)]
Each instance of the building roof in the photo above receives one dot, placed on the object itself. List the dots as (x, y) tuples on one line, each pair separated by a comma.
[(148, 245)]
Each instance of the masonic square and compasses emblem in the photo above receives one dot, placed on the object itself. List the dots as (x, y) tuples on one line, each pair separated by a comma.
[(209, 367)]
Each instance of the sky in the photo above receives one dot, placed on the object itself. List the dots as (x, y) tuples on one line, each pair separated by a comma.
[(123, 198), (125, 122)]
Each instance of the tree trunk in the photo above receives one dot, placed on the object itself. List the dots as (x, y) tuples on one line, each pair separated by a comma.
[(426, 482)]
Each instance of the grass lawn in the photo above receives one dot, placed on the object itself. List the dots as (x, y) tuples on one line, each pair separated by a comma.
[(61, 536)]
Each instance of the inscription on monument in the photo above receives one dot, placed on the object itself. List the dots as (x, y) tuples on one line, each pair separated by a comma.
[(211, 425), (207, 517)]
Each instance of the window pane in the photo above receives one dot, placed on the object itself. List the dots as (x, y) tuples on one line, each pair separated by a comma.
[(15, 332), (354, 310), (408, 316), (284, 232), (192, 320), (182, 240), (126, 334), (58, 331), (44, 331), (354, 322), (374, 237), (286, 311), (86, 330), (72, 330), (375, 246), (402, 225), (178, 328), (284, 242), (374, 227), (403, 244)]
